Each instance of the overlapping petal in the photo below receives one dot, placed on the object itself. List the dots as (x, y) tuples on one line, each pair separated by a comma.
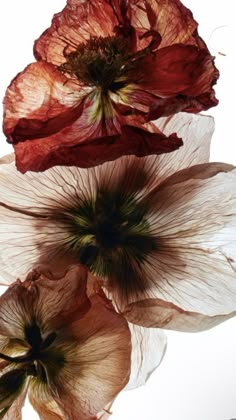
[(31, 237), (147, 62), (189, 215), (86, 355)]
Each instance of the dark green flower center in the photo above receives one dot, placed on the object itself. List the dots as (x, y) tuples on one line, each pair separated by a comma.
[(99, 62), (111, 235)]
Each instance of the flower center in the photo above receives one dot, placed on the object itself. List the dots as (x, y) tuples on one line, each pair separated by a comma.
[(99, 62), (40, 360), (111, 234)]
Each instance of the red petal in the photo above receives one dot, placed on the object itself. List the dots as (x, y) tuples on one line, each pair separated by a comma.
[(77, 22), (39, 155), (39, 102)]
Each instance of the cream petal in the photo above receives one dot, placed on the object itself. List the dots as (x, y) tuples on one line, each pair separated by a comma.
[(7, 158), (25, 239), (195, 222), (148, 350), (161, 314), (99, 367), (196, 132)]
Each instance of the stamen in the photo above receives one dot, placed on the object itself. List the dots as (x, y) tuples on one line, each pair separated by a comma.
[(99, 62)]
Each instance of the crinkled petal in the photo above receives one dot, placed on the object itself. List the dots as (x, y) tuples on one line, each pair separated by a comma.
[(35, 156), (177, 70), (158, 313), (77, 22), (170, 18), (148, 350), (99, 368), (39, 102)]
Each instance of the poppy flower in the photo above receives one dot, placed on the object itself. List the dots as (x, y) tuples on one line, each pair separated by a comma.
[(159, 232), (70, 354), (104, 71)]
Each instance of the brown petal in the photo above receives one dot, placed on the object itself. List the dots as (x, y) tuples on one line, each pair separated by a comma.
[(158, 313), (100, 366), (61, 300), (44, 404)]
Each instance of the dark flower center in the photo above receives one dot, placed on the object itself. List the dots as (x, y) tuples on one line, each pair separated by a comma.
[(111, 235), (99, 62), (40, 357)]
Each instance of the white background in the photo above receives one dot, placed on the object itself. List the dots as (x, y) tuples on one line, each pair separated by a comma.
[(197, 379)]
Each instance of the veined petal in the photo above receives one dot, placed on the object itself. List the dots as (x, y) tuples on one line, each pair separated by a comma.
[(28, 236), (61, 300), (91, 19), (100, 366), (170, 18), (16, 310), (158, 313), (196, 132), (195, 221), (31, 156), (44, 299), (43, 403), (46, 103)]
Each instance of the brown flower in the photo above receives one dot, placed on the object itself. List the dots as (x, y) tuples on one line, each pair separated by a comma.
[(70, 353), (104, 70)]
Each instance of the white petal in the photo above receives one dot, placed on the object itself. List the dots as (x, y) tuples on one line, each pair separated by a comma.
[(148, 350), (161, 314), (195, 222)]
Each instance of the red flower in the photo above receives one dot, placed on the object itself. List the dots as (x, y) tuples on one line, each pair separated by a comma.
[(104, 70)]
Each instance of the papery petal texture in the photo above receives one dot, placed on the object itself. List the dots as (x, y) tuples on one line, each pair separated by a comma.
[(103, 72), (154, 229), (75, 362)]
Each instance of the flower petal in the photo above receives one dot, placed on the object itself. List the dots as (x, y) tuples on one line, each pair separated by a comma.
[(148, 350), (91, 19), (195, 221), (196, 132), (47, 102), (35, 156), (177, 70), (158, 313), (61, 300), (170, 18), (100, 366), (44, 299), (43, 403), (15, 411)]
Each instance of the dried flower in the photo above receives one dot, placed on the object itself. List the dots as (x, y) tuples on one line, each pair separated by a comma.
[(70, 353), (104, 70), (158, 231)]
